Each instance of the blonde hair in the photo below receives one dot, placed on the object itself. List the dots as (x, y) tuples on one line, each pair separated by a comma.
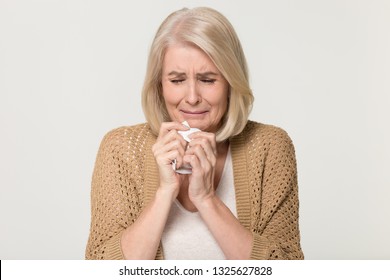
[(211, 32)]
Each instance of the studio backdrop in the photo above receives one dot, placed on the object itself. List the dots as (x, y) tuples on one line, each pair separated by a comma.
[(70, 71)]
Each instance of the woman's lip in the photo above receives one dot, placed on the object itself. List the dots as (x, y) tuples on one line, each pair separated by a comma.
[(193, 112)]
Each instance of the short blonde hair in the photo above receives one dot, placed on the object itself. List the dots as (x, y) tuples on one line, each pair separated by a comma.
[(211, 32)]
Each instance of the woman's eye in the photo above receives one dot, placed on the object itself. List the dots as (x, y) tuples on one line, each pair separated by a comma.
[(177, 81), (208, 81)]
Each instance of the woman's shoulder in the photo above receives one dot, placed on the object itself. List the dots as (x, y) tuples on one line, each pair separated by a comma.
[(127, 135), (267, 139), (141, 129), (265, 132)]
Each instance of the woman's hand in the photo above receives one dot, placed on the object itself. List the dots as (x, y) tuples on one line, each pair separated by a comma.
[(202, 156), (169, 146)]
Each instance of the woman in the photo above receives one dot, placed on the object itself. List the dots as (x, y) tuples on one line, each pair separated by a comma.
[(241, 199)]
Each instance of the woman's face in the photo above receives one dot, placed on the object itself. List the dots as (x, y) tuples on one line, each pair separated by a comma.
[(193, 88)]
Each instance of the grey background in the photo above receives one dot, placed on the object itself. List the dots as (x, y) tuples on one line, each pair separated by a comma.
[(70, 71)]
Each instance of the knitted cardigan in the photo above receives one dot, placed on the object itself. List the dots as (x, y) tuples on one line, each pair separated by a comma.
[(125, 179)]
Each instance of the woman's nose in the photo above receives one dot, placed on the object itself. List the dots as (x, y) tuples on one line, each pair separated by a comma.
[(193, 95)]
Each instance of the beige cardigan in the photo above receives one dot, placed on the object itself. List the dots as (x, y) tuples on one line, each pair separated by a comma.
[(125, 179)]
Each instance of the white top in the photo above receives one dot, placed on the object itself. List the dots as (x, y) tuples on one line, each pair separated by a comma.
[(185, 236)]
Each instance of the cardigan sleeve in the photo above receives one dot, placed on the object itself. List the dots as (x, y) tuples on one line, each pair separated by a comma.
[(276, 231), (113, 202)]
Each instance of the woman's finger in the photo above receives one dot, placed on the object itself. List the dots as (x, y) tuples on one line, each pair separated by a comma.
[(205, 163), (206, 142), (210, 137), (166, 127)]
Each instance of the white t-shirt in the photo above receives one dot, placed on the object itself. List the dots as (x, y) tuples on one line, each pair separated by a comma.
[(186, 237)]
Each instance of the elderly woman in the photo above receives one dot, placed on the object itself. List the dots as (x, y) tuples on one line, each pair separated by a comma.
[(240, 198)]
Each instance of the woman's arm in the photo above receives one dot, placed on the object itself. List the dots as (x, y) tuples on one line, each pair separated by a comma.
[(275, 219), (111, 196), (114, 198), (140, 241), (275, 231), (234, 239)]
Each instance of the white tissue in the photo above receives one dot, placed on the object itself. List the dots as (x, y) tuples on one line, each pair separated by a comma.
[(186, 133), (185, 169)]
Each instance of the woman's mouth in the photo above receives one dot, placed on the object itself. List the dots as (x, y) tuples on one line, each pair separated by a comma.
[(194, 112)]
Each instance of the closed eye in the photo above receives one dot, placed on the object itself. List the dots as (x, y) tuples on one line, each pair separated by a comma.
[(208, 81), (177, 81)]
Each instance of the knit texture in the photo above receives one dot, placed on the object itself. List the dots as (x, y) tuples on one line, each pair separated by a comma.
[(125, 179)]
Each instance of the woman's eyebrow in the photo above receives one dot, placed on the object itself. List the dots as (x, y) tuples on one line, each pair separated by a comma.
[(203, 74), (208, 73), (175, 73)]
